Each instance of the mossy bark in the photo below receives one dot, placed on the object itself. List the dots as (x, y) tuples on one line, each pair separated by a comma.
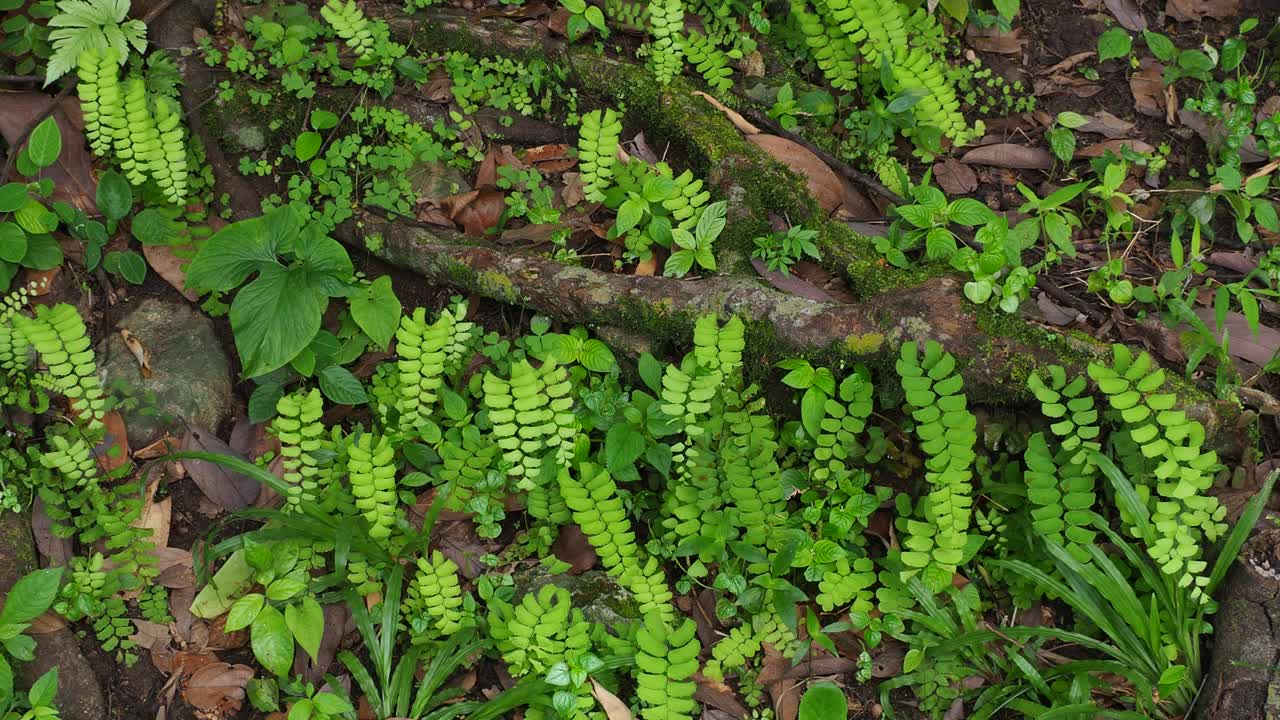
[(894, 306)]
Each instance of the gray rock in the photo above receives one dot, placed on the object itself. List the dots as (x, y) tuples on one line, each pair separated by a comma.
[(249, 137), (599, 596), (79, 695), (191, 377)]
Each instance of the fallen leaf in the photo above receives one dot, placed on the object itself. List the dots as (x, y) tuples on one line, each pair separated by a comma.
[(1114, 146), (1195, 10), (826, 281), (1259, 349), (646, 268), (543, 153), (71, 175), (168, 266), (113, 451), (954, 177), (1128, 14), (531, 234), (614, 708), (149, 634), (165, 445), (1107, 125), (738, 121), (336, 617), (220, 639), (1069, 63), (47, 622), (1213, 132), (558, 22), (140, 353), (1008, 155), (823, 182), (496, 157), (41, 282), (476, 210), (855, 205), (173, 567), (640, 148), (1147, 87), (887, 663), (791, 284), (55, 550), (993, 40), (1237, 261), (229, 490), (572, 193), (572, 547), (785, 693), (156, 517), (217, 688), (1055, 314), (719, 696), (1073, 84), (458, 541)]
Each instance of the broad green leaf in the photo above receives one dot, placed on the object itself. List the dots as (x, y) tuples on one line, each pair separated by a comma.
[(153, 227), (230, 255), (596, 356), (12, 196), (650, 372), (712, 222), (958, 9), (307, 145), (13, 242), (274, 318), (1071, 120), (262, 403), (339, 385), (43, 690), (244, 612), (969, 212), (43, 253), (623, 445), (306, 621), (678, 264), (323, 119), (272, 642), (629, 215), (596, 18), (30, 596), (129, 264), (115, 196), (1114, 43), (574, 6), (376, 309), (45, 144), (1233, 51), (823, 701), (1159, 45)]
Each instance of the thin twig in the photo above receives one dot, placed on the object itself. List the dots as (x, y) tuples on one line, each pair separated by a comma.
[(836, 163), (20, 79), (156, 11), (26, 131)]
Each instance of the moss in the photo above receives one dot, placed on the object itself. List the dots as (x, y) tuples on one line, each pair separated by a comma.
[(867, 344)]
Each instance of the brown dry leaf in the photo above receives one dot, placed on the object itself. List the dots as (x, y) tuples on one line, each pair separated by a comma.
[(476, 210), (784, 693), (168, 266), (719, 696), (47, 622), (993, 40), (138, 351), (954, 177), (614, 708), (791, 284), (752, 64), (149, 634), (41, 282), (113, 451), (1128, 14), (531, 234), (220, 639), (558, 22), (1008, 155), (543, 153), (1195, 10), (571, 546), (496, 157), (1056, 314), (1073, 84), (71, 175), (1069, 63), (228, 490), (646, 268), (1114, 146), (217, 688), (156, 517), (1147, 86), (823, 182), (1259, 349), (856, 205), (572, 194), (174, 567), (429, 213), (55, 550), (640, 148), (165, 445), (738, 121), (336, 618), (887, 662), (1107, 125), (458, 541)]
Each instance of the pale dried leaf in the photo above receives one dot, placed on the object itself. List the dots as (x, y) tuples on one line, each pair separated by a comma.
[(1069, 63), (823, 182), (1107, 125), (168, 266), (1008, 155), (229, 490), (646, 268), (47, 622), (139, 352), (1147, 87), (614, 708), (217, 688), (993, 40), (1259, 349), (738, 121), (174, 567), (156, 517), (149, 634), (572, 193), (1128, 14)]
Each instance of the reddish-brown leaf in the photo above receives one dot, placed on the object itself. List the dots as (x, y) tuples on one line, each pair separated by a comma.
[(476, 211), (71, 175), (993, 40), (229, 490), (1114, 146), (217, 688), (1147, 86), (1128, 14), (1258, 349), (954, 177), (791, 284), (572, 547), (1196, 10), (168, 265), (823, 182), (113, 451)]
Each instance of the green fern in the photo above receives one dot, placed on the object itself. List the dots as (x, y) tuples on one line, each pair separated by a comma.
[(434, 603), (372, 473), (91, 25), (301, 434), (666, 23), (539, 631), (666, 660), (350, 24), (532, 413), (598, 151), (935, 544)]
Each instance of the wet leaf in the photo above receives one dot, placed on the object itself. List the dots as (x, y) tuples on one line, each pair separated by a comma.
[(229, 490), (217, 688), (823, 182), (1008, 155)]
